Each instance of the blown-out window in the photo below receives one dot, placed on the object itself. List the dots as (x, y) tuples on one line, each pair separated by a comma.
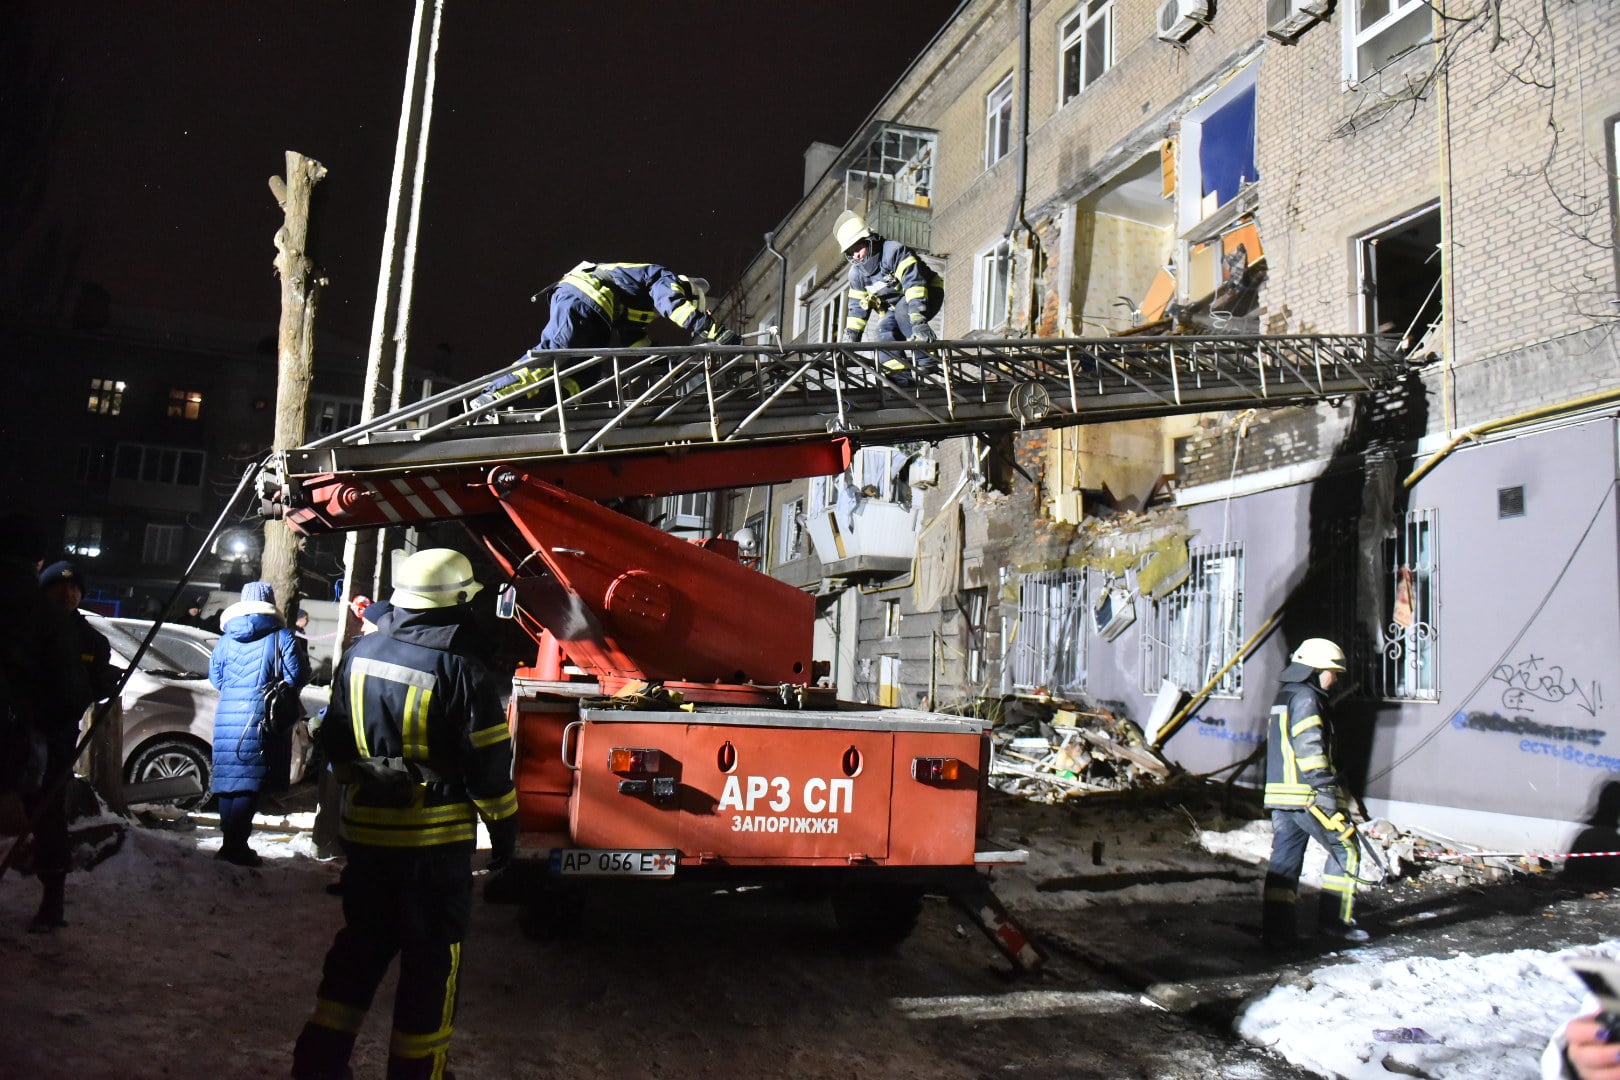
[(1046, 647), (1194, 632), (1380, 31)]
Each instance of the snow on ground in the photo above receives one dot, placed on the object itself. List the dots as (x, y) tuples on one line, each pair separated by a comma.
[(1468, 1016)]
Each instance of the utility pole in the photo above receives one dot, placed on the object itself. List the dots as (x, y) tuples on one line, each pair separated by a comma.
[(362, 573), (295, 351)]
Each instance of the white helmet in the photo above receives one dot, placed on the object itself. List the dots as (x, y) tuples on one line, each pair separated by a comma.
[(700, 291), (434, 578), (1319, 653), (850, 229)]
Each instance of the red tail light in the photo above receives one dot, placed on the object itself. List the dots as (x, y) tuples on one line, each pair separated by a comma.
[(935, 770), (624, 761)]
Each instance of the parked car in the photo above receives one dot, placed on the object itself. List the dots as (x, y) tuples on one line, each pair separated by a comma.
[(169, 702)]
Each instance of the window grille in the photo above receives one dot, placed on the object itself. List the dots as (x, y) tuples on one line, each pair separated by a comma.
[(1192, 633), (1046, 649), (1409, 661)]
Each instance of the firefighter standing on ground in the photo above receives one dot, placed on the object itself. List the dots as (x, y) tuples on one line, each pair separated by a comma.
[(596, 305), (1305, 800), (887, 276), (417, 733)]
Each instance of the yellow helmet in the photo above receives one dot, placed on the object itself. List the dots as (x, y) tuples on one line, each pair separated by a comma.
[(850, 229), (434, 578), (1319, 653)]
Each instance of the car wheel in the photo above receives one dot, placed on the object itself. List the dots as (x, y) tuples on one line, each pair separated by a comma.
[(165, 758)]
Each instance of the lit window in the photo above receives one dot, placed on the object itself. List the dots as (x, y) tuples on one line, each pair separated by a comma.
[(82, 536), (1408, 661), (1087, 47), (1046, 647), (992, 279), (1194, 631), (185, 404), (106, 397), (1379, 31), (998, 107), (161, 544)]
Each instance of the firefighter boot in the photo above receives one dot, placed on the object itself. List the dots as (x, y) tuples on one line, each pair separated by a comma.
[(49, 916), (1347, 932), (1278, 929)]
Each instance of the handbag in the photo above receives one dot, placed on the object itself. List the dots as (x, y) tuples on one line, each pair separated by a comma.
[(276, 708)]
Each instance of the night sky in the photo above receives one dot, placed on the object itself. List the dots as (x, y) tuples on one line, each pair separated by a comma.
[(632, 131)]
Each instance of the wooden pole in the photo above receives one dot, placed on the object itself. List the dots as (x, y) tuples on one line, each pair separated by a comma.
[(295, 352)]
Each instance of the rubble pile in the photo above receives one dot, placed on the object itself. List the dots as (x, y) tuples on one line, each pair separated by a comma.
[(1049, 750)]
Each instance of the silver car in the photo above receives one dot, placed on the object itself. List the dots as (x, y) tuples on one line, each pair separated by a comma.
[(169, 702)]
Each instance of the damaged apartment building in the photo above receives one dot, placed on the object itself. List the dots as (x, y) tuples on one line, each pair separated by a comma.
[(1438, 173)]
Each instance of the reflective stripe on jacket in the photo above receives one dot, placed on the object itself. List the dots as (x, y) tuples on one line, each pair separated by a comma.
[(638, 293), (892, 273), (1298, 748), (415, 690)]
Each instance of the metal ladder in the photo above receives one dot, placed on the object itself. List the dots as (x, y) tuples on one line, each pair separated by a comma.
[(607, 401)]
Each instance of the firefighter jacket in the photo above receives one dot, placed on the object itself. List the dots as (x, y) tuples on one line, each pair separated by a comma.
[(892, 272), (1299, 748), (631, 295), (417, 733)]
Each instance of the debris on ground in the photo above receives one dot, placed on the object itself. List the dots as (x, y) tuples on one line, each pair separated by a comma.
[(1050, 749)]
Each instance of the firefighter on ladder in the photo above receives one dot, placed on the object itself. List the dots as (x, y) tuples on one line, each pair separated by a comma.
[(887, 276), (416, 733), (1306, 803), (596, 305)]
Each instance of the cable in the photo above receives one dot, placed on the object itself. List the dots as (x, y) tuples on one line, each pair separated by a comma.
[(1445, 721)]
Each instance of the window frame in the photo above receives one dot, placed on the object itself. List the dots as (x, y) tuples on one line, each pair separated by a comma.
[(1048, 646), (82, 536), (160, 544), (792, 535), (998, 107), (801, 304), (1357, 37), (1073, 41), (1194, 608), (170, 461), (992, 271), (690, 510), (106, 396), (184, 404), (1407, 665)]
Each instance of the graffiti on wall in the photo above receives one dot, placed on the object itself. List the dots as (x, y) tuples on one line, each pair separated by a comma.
[(1532, 681), (1215, 727), (1561, 741)]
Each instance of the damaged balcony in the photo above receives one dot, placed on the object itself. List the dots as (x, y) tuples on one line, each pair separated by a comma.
[(889, 180)]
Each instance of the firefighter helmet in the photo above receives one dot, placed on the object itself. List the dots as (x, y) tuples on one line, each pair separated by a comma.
[(700, 291), (1319, 653), (850, 229), (434, 578)]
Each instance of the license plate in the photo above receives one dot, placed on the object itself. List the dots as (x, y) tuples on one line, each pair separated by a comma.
[(602, 862)]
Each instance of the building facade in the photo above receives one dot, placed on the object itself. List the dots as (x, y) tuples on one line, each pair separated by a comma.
[(1439, 173)]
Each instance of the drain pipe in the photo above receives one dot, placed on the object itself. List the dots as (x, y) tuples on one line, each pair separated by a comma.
[(781, 288), (1022, 181)]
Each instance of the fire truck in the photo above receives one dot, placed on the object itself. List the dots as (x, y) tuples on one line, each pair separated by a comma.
[(674, 724)]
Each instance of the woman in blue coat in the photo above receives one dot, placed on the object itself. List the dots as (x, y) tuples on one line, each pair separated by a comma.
[(254, 649)]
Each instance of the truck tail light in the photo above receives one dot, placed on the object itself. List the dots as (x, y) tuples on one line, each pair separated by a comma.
[(625, 761), (935, 770)]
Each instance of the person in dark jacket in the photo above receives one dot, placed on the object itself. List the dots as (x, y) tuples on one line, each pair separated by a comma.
[(1306, 802), (43, 692), (597, 305), (64, 584), (254, 649), (888, 277), (416, 732)]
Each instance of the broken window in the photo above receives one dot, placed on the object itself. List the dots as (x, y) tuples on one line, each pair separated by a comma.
[(1193, 632), (998, 111), (1408, 661), (1399, 267), (889, 180), (975, 609), (790, 543), (1086, 47), (992, 279), (1046, 648), (1379, 31), (891, 618), (1215, 162)]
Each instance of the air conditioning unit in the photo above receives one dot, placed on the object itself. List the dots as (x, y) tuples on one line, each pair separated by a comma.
[(1287, 19), (1114, 610), (1179, 18)]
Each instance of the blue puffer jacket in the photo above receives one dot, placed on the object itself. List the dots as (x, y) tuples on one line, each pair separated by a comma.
[(242, 662)]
